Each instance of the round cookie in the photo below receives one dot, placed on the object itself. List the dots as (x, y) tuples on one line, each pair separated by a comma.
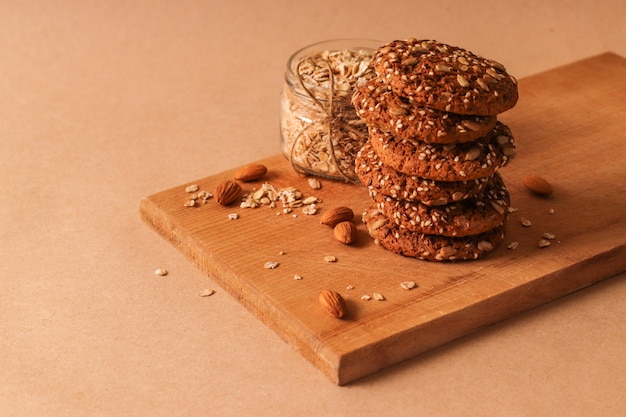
[(429, 247), (379, 106), (452, 162), (382, 179), (445, 77), (468, 217)]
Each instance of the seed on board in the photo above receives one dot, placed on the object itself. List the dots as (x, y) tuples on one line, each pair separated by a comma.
[(332, 302), (227, 192), (408, 285), (336, 215), (271, 265), (314, 183), (192, 188), (544, 243), (537, 185), (250, 172), (204, 195), (160, 272), (513, 245), (345, 232)]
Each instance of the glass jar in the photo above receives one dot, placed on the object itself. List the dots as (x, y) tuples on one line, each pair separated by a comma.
[(320, 130)]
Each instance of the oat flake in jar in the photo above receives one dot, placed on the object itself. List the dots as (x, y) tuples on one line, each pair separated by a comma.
[(320, 130)]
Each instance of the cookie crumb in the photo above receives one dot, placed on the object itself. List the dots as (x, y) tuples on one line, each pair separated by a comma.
[(271, 265), (207, 293), (233, 216), (297, 277), (160, 272), (330, 259)]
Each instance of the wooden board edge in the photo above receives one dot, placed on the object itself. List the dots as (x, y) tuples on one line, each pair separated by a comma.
[(306, 344), (413, 342)]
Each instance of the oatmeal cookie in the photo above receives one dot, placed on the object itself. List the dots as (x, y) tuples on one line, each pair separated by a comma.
[(468, 217), (452, 162), (379, 106), (426, 246), (445, 77), (382, 179)]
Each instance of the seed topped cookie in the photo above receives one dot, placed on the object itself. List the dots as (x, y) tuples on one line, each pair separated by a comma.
[(452, 162), (379, 106), (468, 217), (445, 77), (401, 241), (382, 179)]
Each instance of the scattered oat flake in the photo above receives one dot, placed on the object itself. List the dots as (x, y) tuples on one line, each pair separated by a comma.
[(207, 293), (271, 265), (366, 297), (297, 277), (512, 209), (330, 259), (513, 245), (551, 211), (204, 195), (309, 209), (408, 285), (350, 287), (525, 222), (192, 188), (548, 236), (233, 216), (314, 183), (190, 202), (160, 272), (379, 296), (282, 252), (309, 200), (544, 243)]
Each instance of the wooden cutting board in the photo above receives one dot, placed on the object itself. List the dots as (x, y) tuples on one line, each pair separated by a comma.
[(570, 126)]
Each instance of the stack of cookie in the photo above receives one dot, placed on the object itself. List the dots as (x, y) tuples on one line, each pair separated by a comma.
[(431, 163)]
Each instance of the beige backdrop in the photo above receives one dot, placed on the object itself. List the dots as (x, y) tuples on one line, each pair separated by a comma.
[(105, 102)]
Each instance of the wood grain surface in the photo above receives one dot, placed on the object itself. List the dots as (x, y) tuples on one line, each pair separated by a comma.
[(569, 125)]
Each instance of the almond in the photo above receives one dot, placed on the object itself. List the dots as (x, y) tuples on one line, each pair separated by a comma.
[(227, 192), (537, 185), (345, 232), (332, 302), (336, 215), (250, 172)]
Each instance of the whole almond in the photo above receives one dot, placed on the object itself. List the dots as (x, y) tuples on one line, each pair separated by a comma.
[(332, 302), (345, 232), (336, 215), (250, 172), (227, 192), (537, 185)]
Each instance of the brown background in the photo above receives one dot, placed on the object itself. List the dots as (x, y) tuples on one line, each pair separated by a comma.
[(105, 102)]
